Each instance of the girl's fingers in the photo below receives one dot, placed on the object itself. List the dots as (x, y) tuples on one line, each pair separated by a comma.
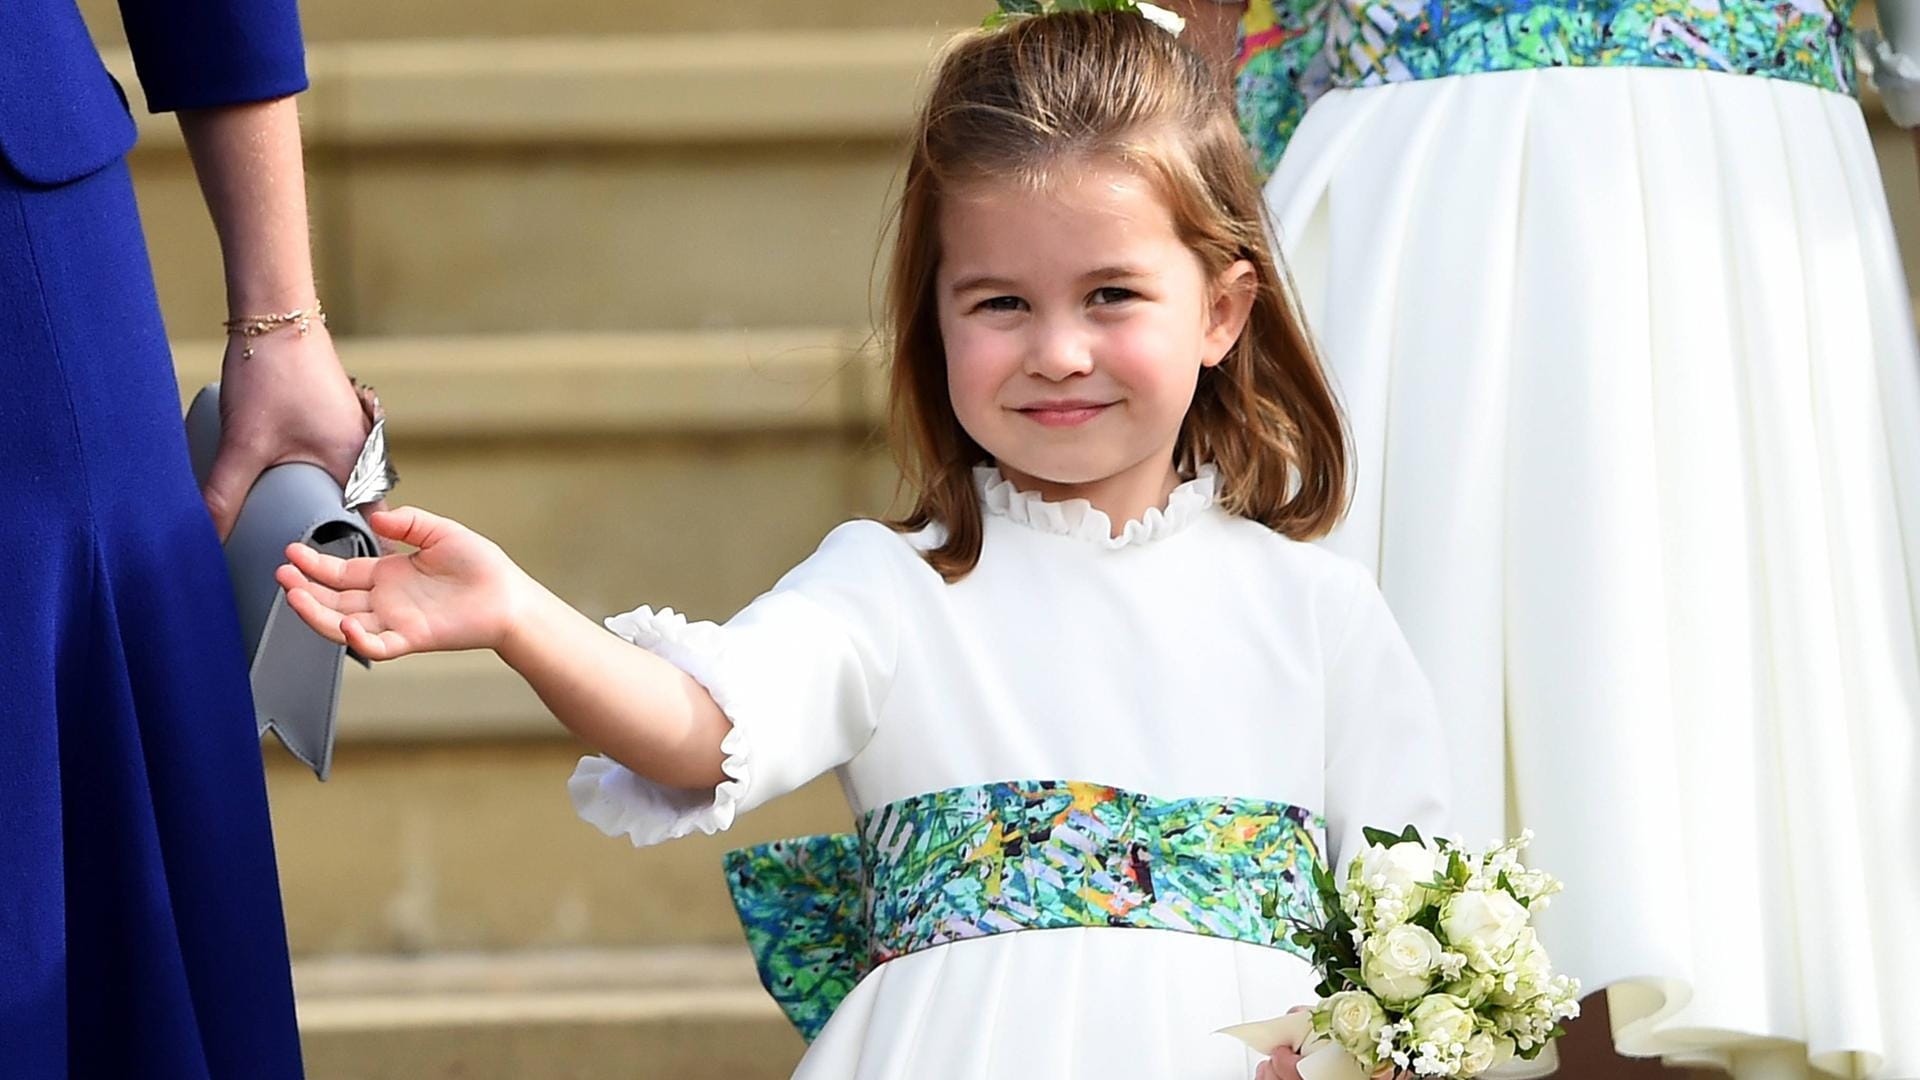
[(324, 620), (358, 628), (353, 600), (331, 570), (1282, 1064), (410, 525), (289, 577), (346, 602), (384, 645)]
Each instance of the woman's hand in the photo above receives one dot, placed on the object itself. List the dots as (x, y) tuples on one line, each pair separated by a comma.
[(458, 591), (289, 401)]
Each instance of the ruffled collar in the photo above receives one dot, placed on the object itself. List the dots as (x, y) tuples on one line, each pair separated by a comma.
[(1079, 519)]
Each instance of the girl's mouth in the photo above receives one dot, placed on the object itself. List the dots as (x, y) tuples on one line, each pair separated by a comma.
[(1062, 414)]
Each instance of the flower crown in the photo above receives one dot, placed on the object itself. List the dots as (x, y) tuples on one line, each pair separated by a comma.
[(1020, 9)]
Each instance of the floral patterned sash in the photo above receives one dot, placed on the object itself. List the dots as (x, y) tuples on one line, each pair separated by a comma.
[(1292, 51), (822, 912)]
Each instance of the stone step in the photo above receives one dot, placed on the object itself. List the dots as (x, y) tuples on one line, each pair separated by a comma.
[(465, 841), (361, 20), (685, 1013), (563, 185)]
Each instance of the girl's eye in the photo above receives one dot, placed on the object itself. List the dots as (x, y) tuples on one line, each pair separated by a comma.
[(1112, 294), (1001, 303)]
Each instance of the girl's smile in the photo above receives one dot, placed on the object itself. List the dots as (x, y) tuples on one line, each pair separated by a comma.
[(1076, 322), (1064, 413)]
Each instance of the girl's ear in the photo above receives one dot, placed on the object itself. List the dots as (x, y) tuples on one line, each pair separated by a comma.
[(1233, 293)]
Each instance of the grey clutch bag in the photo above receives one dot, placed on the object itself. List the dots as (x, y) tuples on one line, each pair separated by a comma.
[(294, 671)]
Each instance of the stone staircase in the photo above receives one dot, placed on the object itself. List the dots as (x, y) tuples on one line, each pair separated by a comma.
[(612, 264)]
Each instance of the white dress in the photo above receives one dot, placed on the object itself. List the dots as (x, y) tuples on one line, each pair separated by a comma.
[(1631, 373), (1198, 654)]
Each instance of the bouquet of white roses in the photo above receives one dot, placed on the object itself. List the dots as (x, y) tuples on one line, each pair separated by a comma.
[(1429, 965)]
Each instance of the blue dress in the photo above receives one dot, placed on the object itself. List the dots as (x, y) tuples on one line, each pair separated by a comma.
[(140, 923)]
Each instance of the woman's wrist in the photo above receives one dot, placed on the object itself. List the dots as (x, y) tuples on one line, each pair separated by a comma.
[(256, 298), (258, 323)]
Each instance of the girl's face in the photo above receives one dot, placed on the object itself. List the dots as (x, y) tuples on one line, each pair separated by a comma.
[(1075, 324)]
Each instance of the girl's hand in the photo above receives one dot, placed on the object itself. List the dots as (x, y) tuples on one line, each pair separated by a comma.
[(1282, 1064), (458, 591)]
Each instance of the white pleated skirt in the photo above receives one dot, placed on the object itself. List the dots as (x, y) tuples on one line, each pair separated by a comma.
[(1112, 1003), (1631, 372)]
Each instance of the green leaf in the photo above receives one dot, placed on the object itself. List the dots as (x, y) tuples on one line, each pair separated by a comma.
[(1380, 836), (1412, 834), (1323, 880)]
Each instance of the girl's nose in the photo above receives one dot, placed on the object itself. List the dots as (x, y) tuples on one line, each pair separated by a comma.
[(1059, 352)]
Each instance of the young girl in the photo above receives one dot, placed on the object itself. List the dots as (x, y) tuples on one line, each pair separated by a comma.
[(1095, 683)]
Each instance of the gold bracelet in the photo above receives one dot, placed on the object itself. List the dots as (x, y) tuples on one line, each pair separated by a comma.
[(253, 326)]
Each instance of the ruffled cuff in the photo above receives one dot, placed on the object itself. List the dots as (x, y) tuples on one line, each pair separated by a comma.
[(618, 802)]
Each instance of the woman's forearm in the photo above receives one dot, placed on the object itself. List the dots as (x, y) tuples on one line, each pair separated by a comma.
[(633, 706), (252, 175)]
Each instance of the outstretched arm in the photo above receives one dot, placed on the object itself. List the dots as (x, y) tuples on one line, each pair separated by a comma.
[(458, 590)]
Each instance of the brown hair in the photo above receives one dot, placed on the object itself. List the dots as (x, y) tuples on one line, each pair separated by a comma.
[(1013, 102)]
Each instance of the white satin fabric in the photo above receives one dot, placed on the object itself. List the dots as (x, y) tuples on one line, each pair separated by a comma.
[(1631, 370)]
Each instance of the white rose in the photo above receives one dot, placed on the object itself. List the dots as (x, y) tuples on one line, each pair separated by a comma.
[(1531, 973), (1355, 1020), (1441, 1019), (1475, 988), (1398, 965), (1402, 869), (1479, 1054), (1483, 925)]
